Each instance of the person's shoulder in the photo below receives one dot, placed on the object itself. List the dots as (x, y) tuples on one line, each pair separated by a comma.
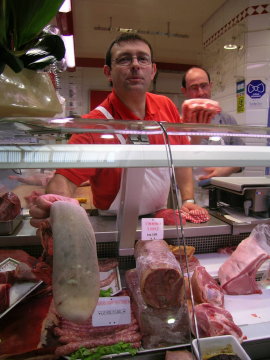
[(226, 118)]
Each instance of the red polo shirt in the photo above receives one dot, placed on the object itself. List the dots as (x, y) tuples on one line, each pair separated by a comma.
[(105, 182)]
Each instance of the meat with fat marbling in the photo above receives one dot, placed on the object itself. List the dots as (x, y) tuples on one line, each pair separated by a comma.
[(237, 275), (205, 288), (10, 206), (159, 273)]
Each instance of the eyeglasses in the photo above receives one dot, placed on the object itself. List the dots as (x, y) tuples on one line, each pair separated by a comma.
[(202, 86), (127, 60)]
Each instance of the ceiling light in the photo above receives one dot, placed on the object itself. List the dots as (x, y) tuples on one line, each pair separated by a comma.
[(230, 47), (69, 45), (66, 7)]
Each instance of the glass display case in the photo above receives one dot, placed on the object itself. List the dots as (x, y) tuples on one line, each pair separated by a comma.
[(40, 144)]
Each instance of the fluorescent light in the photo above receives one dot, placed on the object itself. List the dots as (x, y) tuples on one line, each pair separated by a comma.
[(69, 45), (230, 47), (66, 7)]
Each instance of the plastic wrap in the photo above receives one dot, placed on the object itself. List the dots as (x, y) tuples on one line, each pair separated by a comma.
[(160, 275), (158, 327)]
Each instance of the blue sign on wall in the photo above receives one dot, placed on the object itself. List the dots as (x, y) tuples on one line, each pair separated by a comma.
[(256, 89)]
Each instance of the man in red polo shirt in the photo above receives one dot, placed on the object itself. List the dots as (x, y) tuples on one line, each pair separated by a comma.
[(130, 69)]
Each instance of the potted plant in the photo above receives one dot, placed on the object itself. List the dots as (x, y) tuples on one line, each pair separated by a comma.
[(24, 49)]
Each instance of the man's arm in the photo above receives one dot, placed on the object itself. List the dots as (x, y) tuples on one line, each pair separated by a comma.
[(60, 185), (219, 171), (184, 181)]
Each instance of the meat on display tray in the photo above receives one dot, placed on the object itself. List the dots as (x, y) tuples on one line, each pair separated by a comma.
[(115, 283), (213, 261), (18, 291)]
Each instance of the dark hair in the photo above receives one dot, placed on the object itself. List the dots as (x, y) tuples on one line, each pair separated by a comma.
[(184, 83), (122, 38)]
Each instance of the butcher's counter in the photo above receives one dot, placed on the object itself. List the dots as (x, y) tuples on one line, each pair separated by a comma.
[(207, 238), (116, 238)]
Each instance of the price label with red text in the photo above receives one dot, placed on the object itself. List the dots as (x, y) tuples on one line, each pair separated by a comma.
[(152, 229)]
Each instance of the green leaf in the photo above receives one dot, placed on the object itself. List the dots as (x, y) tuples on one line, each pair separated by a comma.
[(105, 293), (3, 22), (7, 57), (29, 18), (98, 352)]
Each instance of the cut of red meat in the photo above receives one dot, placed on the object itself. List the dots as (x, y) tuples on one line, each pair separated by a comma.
[(237, 275), (25, 328), (172, 217), (4, 297), (10, 206), (215, 321), (18, 255), (160, 275), (155, 328), (205, 288)]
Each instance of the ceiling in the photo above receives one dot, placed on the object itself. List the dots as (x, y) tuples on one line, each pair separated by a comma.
[(173, 27)]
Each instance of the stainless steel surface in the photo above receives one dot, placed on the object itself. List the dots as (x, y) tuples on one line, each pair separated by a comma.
[(106, 231), (239, 183), (8, 227)]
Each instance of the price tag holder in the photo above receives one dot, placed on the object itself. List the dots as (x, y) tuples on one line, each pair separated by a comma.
[(112, 311), (152, 228)]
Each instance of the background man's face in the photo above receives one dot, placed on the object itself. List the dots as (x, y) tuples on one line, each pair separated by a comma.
[(197, 85)]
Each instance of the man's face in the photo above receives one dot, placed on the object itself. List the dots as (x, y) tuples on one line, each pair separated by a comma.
[(131, 68), (197, 85)]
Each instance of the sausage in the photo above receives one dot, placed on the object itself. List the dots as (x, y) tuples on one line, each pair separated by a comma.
[(76, 282)]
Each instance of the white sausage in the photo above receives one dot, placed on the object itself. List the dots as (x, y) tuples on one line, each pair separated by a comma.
[(76, 283)]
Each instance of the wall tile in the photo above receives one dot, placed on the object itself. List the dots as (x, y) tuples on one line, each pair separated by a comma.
[(257, 117), (258, 70), (258, 22), (256, 38), (258, 53)]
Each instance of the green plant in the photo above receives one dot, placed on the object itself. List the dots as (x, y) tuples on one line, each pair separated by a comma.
[(23, 43)]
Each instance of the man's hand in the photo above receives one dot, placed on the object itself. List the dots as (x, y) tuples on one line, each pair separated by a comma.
[(36, 179), (187, 206), (218, 171), (40, 211), (199, 110)]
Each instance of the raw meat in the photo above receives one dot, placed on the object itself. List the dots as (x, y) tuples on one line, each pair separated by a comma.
[(107, 264), (25, 329), (18, 255), (160, 275), (178, 355), (237, 275), (215, 321), (205, 289), (76, 282), (4, 297), (10, 206), (155, 327), (206, 109), (73, 335), (172, 217)]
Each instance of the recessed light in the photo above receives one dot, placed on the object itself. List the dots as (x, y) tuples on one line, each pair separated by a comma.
[(230, 47)]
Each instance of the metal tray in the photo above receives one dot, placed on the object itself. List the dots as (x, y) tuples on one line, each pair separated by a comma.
[(18, 291), (115, 285), (8, 227)]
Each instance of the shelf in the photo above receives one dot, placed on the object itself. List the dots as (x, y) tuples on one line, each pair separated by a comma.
[(111, 156)]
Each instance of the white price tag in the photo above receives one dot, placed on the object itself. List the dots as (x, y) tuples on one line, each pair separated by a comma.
[(112, 311), (152, 229)]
